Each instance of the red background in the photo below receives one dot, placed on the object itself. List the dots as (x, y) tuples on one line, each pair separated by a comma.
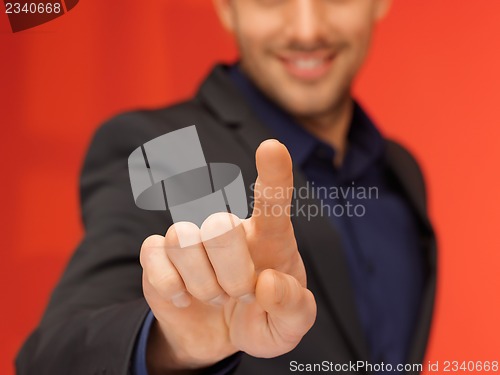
[(431, 82)]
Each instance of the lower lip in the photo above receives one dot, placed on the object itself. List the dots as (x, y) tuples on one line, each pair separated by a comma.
[(308, 74)]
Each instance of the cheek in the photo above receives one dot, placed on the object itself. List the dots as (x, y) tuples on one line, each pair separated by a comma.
[(356, 37), (362, 31), (252, 41), (352, 26), (257, 30)]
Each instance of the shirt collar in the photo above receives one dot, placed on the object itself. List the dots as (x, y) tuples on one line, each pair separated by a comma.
[(366, 145), (365, 142), (300, 143)]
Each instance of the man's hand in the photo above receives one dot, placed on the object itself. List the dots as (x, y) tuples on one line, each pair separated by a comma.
[(243, 290)]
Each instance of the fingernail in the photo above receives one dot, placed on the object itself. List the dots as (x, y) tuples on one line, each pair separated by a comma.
[(181, 300), (271, 140), (219, 300), (247, 298)]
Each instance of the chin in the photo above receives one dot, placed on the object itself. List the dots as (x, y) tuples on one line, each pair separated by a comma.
[(299, 99), (312, 101), (304, 111), (307, 105)]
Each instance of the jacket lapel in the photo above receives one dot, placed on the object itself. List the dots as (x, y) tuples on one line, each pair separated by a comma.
[(407, 174)]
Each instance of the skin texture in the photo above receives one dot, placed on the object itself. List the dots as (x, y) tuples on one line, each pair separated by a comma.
[(249, 291), (270, 31)]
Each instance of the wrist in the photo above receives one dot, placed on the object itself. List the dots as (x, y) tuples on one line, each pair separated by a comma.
[(160, 357)]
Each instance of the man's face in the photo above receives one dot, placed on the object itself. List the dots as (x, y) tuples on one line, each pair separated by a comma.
[(303, 54)]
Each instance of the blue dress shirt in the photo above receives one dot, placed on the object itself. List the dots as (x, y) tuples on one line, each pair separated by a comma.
[(380, 236)]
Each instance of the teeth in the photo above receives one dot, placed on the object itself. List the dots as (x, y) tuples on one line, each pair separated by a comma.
[(307, 63)]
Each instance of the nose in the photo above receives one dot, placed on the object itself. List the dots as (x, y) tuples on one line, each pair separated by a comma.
[(306, 22)]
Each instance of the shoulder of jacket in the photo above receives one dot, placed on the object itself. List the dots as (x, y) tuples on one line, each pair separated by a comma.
[(165, 119), (397, 150), (396, 153), (133, 128)]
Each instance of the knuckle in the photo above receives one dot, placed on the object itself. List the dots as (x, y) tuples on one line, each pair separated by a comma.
[(150, 246), (237, 288), (167, 285), (217, 224), (182, 232), (204, 292)]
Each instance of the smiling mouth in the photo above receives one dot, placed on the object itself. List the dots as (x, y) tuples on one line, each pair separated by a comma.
[(307, 66)]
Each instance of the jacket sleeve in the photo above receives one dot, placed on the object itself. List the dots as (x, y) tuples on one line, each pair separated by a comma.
[(226, 366), (97, 309)]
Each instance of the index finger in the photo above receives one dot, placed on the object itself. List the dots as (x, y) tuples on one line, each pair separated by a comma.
[(273, 188)]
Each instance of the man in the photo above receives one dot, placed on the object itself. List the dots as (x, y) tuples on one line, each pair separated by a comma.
[(275, 294)]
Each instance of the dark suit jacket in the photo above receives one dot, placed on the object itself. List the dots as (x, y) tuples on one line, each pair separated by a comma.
[(95, 313)]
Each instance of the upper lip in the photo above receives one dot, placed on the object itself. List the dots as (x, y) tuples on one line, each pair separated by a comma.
[(313, 55)]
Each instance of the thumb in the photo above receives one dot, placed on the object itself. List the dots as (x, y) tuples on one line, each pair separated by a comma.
[(291, 308)]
